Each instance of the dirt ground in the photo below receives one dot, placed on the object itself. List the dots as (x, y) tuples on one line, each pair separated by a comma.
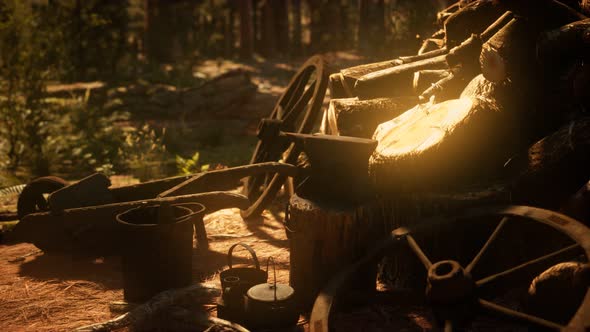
[(43, 292)]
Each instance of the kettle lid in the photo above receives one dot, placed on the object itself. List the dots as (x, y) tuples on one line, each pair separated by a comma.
[(266, 292)]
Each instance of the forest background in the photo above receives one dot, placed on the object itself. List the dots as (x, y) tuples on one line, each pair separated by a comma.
[(93, 85)]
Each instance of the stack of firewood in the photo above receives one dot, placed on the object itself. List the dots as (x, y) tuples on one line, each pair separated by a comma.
[(498, 94)]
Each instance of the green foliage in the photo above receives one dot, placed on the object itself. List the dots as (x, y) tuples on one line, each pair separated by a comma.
[(144, 153), (24, 67), (190, 165), (84, 137)]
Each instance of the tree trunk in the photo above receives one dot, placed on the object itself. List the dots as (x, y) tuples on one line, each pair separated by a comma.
[(268, 26), (281, 26), (297, 33), (371, 25), (229, 29), (246, 31)]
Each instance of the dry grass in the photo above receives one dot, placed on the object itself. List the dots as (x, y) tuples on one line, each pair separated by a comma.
[(36, 303)]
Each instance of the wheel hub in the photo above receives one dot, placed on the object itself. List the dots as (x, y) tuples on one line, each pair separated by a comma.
[(451, 291)]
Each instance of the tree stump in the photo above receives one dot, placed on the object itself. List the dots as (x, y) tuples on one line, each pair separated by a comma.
[(325, 239)]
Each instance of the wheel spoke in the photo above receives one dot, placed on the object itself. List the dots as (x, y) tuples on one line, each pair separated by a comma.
[(418, 251), (533, 267), (485, 247), (517, 315), (302, 81), (293, 112)]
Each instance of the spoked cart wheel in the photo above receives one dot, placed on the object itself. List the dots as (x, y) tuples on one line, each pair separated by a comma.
[(32, 197), (454, 297), (296, 111)]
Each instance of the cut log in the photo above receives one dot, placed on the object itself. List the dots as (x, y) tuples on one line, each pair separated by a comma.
[(555, 167), (423, 79), (360, 118), (342, 84), (395, 81), (475, 17), (509, 53), (548, 14), (220, 95), (563, 44), (445, 144), (578, 205)]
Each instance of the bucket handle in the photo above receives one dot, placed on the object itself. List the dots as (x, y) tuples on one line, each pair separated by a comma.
[(200, 210), (242, 244), (274, 268)]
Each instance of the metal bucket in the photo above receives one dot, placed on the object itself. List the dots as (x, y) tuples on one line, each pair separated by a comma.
[(157, 256)]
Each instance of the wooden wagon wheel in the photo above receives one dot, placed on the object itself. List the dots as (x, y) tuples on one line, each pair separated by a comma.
[(32, 197), (296, 111), (450, 281)]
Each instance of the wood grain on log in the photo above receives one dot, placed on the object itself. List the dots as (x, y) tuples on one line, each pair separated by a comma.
[(446, 144)]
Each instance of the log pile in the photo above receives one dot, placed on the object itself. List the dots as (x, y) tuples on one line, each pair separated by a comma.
[(496, 115), (496, 77), (220, 96)]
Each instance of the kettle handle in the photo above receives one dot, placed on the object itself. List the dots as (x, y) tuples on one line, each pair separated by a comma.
[(274, 268), (231, 249)]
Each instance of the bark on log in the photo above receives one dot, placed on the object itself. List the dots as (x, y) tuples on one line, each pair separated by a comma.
[(548, 14), (342, 84), (578, 205), (473, 18), (444, 145), (425, 78), (395, 81), (563, 44), (554, 167), (220, 94), (324, 240), (359, 118), (509, 53)]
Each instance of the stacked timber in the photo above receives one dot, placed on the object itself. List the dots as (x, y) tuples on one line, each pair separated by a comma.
[(497, 77), (497, 98)]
